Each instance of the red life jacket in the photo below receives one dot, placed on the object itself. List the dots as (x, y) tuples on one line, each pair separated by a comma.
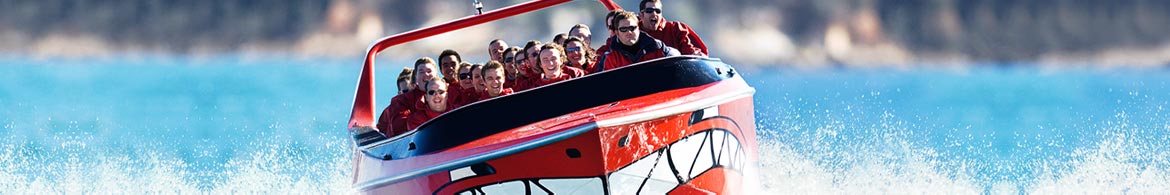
[(588, 67), (503, 92), (451, 80), (525, 83), (455, 94), (698, 42), (418, 118), (648, 48), (469, 96), (677, 35), (543, 82), (393, 119), (510, 82), (573, 72)]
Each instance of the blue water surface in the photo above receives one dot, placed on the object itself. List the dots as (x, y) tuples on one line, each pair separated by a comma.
[(276, 125)]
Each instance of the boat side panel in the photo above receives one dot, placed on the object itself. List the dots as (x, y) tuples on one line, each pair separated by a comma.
[(642, 138), (733, 163), (743, 110), (576, 157)]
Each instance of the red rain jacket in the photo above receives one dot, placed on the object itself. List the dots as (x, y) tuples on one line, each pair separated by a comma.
[(648, 49), (679, 36)]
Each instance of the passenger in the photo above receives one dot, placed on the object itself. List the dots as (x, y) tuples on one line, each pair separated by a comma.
[(478, 76), (399, 111), (580, 55), (632, 46), (436, 103), (449, 64), (465, 85), (465, 76), (601, 51), (496, 49), (522, 73), (533, 51), (404, 82), (530, 67), (560, 38), (673, 33), (509, 64), (581, 30), (493, 77), (476, 83), (404, 85), (552, 63), (521, 64), (609, 21)]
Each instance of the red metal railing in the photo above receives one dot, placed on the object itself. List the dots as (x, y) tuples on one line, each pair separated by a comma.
[(363, 103)]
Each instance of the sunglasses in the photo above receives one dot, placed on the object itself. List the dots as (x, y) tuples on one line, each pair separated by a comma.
[(508, 60), (572, 49), (652, 10), (535, 54), (405, 90), (627, 29), (435, 92), (464, 76)]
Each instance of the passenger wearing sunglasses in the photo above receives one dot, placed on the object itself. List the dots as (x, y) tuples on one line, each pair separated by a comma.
[(604, 49), (533, 51), (465, 75), (509, 63), (436, 102), (530, 67), (580, 55), (673, 33), (522, 73), (394, 118), (404, 85), (632, 46), (465, 85)]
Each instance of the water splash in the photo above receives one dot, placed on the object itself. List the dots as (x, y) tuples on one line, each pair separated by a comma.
[(825, 134), (71, 168)]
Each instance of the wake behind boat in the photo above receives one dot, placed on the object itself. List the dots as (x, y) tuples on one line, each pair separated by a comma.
[(674, 125)]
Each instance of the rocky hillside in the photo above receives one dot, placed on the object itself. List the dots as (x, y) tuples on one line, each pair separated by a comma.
[(815, 33)]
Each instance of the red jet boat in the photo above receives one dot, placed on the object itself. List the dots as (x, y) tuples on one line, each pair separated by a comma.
[(675, 125)]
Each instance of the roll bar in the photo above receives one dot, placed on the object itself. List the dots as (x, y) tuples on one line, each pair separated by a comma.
[(362, 115)]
